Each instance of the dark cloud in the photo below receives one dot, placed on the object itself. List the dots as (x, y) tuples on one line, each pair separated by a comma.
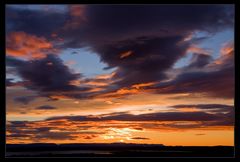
[(218, 83), (46, 107), (205, 106), (49, 76), (106, 23), (229, 119), (18, 135), (24, 99), (217, 108), (142, 46), (200, 134), (181, 125), (13, 62), (200, 60), (33, 21), (146, 54), (8, 82), (18, 123), (73, 127), (138, 128), (113, 22), (55, 135), (43, 129), (160, 116), (74, 52), (90, 136), (214, 80), (52, 74), (177, 120), (140, 138), (38, 131)]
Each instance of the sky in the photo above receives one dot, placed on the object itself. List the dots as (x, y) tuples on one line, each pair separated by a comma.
[(156, 74)]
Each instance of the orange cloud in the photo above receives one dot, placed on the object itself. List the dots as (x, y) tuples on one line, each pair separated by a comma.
[(78, 16), (77, 10), (95, 89), (57, 97), (125, 54), (126, 91), (95, 83), (138, 86), (106, 76), (226, 53), (99, 80), (23, 45), (120, 93), (227, 49), (64, 131), (196, 49), (189, 110), (75, 82)]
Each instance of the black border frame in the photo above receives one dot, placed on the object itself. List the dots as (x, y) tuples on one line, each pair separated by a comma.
[(237, 66)]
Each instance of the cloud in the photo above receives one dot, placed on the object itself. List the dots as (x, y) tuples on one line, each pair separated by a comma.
[(140, 138), (199, 61), (217, 83), (142, 50), (226, 55), (34, 22), (90, 136), (46, 107), (112, 25), (125, 54), (19, 123), (113, 22), (52, 79), (159, 116), (24, 99), (77, 128), (163, 120), (218, 107), (55, 135), (137, 46), (147, 53), (23, 45), (8, 82), (77, 17), (13, 62), (18, 135), (44, 131), (138, 128)]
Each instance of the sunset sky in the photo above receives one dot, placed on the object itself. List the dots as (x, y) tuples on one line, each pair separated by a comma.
[(159, 74)]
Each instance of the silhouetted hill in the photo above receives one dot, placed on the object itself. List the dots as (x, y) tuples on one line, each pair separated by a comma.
[(115, 150)]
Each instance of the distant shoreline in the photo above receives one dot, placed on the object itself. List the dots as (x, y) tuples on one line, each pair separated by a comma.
[(115, 150)]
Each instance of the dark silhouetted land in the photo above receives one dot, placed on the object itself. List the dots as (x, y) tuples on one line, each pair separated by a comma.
[(115, 150)]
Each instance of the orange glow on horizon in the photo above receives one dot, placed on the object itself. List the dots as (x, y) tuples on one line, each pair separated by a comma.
[(126, 131)]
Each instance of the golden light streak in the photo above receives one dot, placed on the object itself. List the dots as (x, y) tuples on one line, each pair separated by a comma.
[(196, 49), (125, 54), (138, 86)]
